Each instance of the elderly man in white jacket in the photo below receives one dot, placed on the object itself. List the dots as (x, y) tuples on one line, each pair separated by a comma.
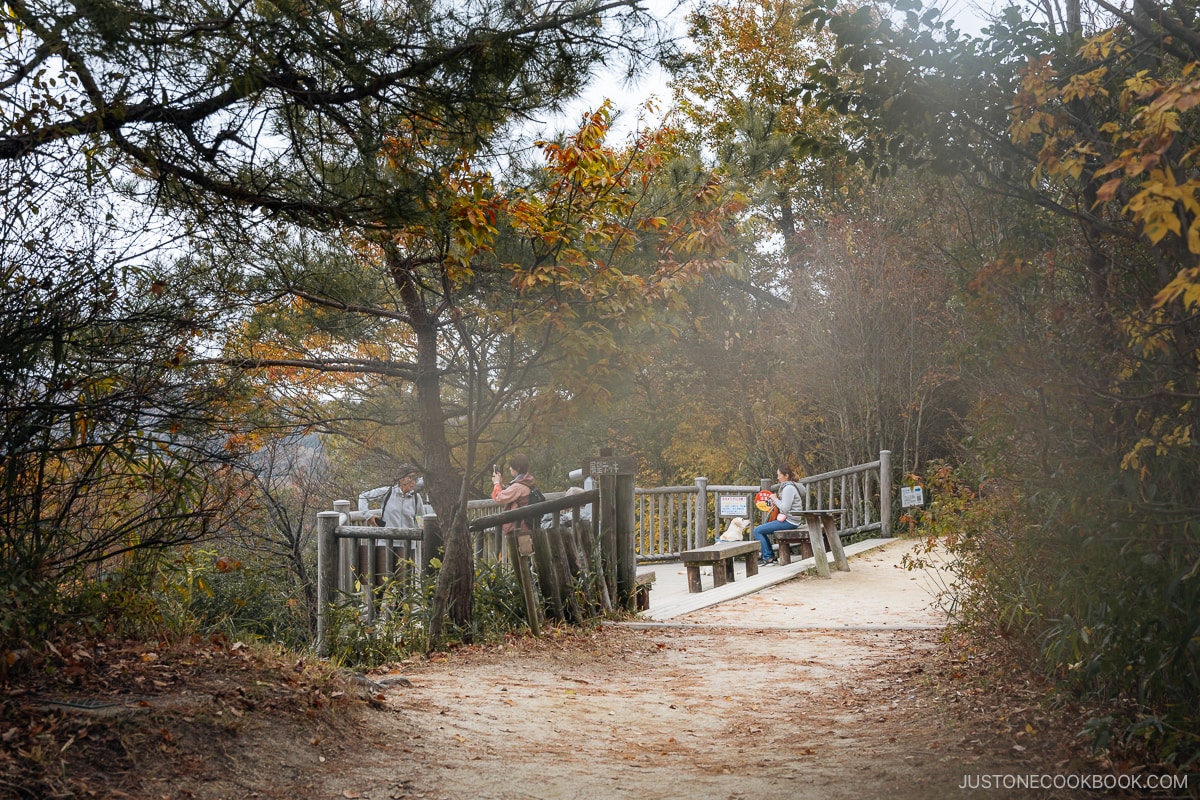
[(400, 506)]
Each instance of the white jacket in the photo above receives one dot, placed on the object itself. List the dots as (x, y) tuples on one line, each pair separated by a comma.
[(398, 510)]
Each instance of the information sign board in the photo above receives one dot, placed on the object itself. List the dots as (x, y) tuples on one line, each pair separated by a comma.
[(610, 465), (733, 506)]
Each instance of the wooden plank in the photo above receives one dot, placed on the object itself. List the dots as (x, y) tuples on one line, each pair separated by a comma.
[(835, 541), (720, 550), (721, 571), (720, 557), (672, 599), (644, 583)]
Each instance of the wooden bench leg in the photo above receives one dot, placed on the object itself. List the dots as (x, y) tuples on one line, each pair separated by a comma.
[(728, 564), (839, 553), (643, 583), (721, 571), (751, 560), (693, 571), (815, 535), (786, 539)]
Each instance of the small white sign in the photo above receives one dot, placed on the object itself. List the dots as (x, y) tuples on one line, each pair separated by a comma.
[(912, 496), (733, 506)]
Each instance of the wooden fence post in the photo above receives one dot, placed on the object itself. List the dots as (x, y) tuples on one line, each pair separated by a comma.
[(327, 571), (557, 537), (347, 553), (595, 557), (764, 485), (608, 532), (701, 531), (522, 564), (431, 541), (547, 573), (885, 493), (627, 547)]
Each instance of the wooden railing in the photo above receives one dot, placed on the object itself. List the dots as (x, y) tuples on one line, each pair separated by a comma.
[(580, 568), (351, 565), (671, 519), (864, 492), (567, 568)]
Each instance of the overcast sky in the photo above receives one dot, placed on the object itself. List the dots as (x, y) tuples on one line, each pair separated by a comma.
[(627, 98)]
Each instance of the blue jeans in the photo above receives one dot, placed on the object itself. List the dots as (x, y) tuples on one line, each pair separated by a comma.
[(763, 534)]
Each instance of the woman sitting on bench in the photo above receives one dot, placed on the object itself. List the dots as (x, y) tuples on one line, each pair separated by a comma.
[(784, 503)]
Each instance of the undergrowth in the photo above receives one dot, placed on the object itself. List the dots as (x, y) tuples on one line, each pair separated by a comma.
[(194, 591), (1107, 607)]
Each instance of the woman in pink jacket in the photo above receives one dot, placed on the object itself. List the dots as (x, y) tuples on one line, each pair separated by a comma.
[(516, 494)]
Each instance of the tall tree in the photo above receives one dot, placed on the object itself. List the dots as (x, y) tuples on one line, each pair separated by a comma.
[(319, 115), (811, 241), (1084, 311), (736, 95), (260, 106), (507, 300), (110, 446)]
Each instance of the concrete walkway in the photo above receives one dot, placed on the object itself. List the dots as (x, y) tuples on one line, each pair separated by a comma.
[(877, 592)]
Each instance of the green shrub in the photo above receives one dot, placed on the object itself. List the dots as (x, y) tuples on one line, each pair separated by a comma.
[(401, 628), (199, 591), (1107, 605)]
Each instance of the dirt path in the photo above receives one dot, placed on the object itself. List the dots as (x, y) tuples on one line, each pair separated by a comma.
[(813, 688)]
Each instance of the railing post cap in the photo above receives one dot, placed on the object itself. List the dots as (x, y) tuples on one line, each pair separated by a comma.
[(327, 514)]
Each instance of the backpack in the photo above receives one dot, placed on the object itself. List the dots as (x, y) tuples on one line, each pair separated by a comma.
[(535, 496)]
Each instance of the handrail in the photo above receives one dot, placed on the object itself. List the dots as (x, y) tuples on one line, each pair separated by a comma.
[(378, 532), (675, 518), (837, 473), (663, 522), (577, 500)]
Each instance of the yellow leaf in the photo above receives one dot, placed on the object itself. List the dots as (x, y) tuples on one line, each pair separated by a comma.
[(1108, 190), (1186, 284)]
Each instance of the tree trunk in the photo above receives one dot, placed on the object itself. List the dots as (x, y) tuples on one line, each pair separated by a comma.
[(452, 597)]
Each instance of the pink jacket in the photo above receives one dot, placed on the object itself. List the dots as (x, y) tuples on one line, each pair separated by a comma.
[(515, 495)]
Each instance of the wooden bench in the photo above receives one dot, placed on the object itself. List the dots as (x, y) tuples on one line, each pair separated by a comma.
[(795, 536), (820, 524), (720, 557), (643, 583)]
